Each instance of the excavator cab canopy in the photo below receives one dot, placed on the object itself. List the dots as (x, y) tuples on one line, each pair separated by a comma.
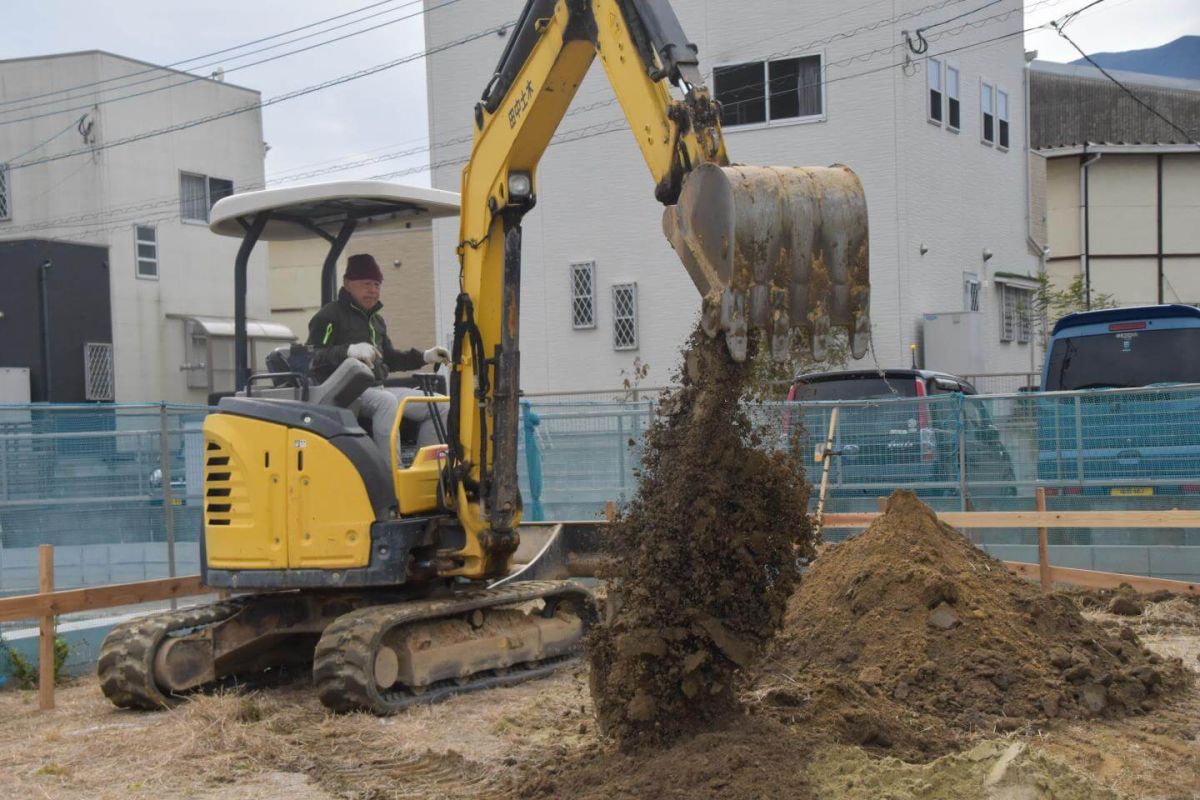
[(331, 211)]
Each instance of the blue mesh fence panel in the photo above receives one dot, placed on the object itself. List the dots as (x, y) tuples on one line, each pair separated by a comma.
[(89, 479)]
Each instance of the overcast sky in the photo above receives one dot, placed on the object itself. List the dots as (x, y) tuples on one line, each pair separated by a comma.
[(386, 112)]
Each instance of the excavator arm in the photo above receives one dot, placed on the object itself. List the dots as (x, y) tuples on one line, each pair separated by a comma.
[(777, 248)]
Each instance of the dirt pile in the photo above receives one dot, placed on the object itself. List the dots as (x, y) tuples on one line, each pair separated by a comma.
[(907, 637), (706, 557)]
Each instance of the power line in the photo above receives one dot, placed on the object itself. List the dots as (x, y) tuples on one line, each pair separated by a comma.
[(195, 78), (363, 73), (73, 124), (1059, 27), (174, 64), (289, 177)]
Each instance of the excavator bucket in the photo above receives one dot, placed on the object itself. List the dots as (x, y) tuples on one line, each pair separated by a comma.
[(782, 249)]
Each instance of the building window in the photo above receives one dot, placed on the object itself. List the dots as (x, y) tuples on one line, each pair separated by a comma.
[(953, 111), (5, 194), (970, 291), (625, 326), (989, 113), (198, 194), (1016, 317), (583, 295), (935, 90), (1002, 118), (762, 92), (147, 251)]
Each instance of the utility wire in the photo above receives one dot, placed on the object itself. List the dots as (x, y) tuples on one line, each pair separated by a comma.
[(363, 73), (1190, 138), (193, 79), (73, 125), (290, 177), (175, 64)]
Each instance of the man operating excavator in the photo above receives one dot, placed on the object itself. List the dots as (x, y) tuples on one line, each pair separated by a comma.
[(352, 327)]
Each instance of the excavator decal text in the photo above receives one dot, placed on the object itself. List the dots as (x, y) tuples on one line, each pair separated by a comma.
[(520, 104)]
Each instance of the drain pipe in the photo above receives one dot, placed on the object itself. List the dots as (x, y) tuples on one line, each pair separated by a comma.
[(1084, 172), (44, 291), (1042, 250)]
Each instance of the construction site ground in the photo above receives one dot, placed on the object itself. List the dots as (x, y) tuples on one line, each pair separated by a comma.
[(281, 743)]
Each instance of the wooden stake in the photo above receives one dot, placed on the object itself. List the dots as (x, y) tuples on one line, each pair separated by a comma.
[(826, 455), (46, 630), (1043, 547), (610, 511)]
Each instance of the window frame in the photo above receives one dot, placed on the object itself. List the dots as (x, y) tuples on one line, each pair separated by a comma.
[(208, 193), (956, 97), (984, 113), (1003, 129), (632, 317), (5, 192), (804, 120), (930, 73), (972, 292), (138, 241), (1020, 318), (591, 296)]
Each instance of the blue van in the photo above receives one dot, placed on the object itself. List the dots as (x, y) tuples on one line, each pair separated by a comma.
[(1134, 444)]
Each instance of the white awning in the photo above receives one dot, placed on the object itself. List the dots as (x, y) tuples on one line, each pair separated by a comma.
[(297, 210), (255, 329), (1018, 281)]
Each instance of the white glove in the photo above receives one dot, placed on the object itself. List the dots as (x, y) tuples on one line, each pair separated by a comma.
[(437, 355), (364, 352)]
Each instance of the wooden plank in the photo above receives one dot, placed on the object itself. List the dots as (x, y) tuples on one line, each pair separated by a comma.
[(29, 606), (46, 630), (1041, 519), (1091, 579), (826, 460), (1043, 547)]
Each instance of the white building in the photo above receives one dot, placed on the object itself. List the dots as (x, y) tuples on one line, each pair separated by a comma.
[(941, 192), (147, 201)]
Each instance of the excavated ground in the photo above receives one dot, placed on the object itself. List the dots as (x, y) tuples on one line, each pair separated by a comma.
[(910, 640)]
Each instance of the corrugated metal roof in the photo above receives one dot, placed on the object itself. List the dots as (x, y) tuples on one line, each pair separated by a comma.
[(1072, 105)]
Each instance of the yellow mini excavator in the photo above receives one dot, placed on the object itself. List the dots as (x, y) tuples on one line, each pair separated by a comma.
[(394, 578)]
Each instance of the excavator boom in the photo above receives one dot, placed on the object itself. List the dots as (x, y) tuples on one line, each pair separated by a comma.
[(778, 248)]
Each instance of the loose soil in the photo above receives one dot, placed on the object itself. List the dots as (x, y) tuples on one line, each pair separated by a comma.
[(910, 640), (705, 555)]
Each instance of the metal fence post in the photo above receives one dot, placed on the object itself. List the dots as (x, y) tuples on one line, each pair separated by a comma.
[(962, 454), (621, 454), (1078, 442), (164, 453)]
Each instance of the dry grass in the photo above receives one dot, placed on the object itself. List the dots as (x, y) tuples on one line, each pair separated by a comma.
[(282, 743)]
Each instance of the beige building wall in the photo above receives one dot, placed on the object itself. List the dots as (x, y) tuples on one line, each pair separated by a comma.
[(404, 254), (1123, 212)]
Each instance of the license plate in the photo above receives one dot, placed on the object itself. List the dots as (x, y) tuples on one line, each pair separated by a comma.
[(1132, 491)]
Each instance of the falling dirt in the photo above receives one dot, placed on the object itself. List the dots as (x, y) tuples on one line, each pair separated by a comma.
[(909, 640), (706, 559)]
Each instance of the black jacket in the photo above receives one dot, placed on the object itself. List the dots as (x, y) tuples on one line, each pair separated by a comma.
[(344, 322)]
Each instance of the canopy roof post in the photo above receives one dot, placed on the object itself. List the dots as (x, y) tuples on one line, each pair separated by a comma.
[(241, 349), (329, 271)]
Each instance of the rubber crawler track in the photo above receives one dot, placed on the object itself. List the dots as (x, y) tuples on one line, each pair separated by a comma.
[(345, 656), (126, 664)]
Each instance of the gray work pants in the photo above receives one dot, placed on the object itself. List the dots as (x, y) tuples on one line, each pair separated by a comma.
[(380, 405)]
